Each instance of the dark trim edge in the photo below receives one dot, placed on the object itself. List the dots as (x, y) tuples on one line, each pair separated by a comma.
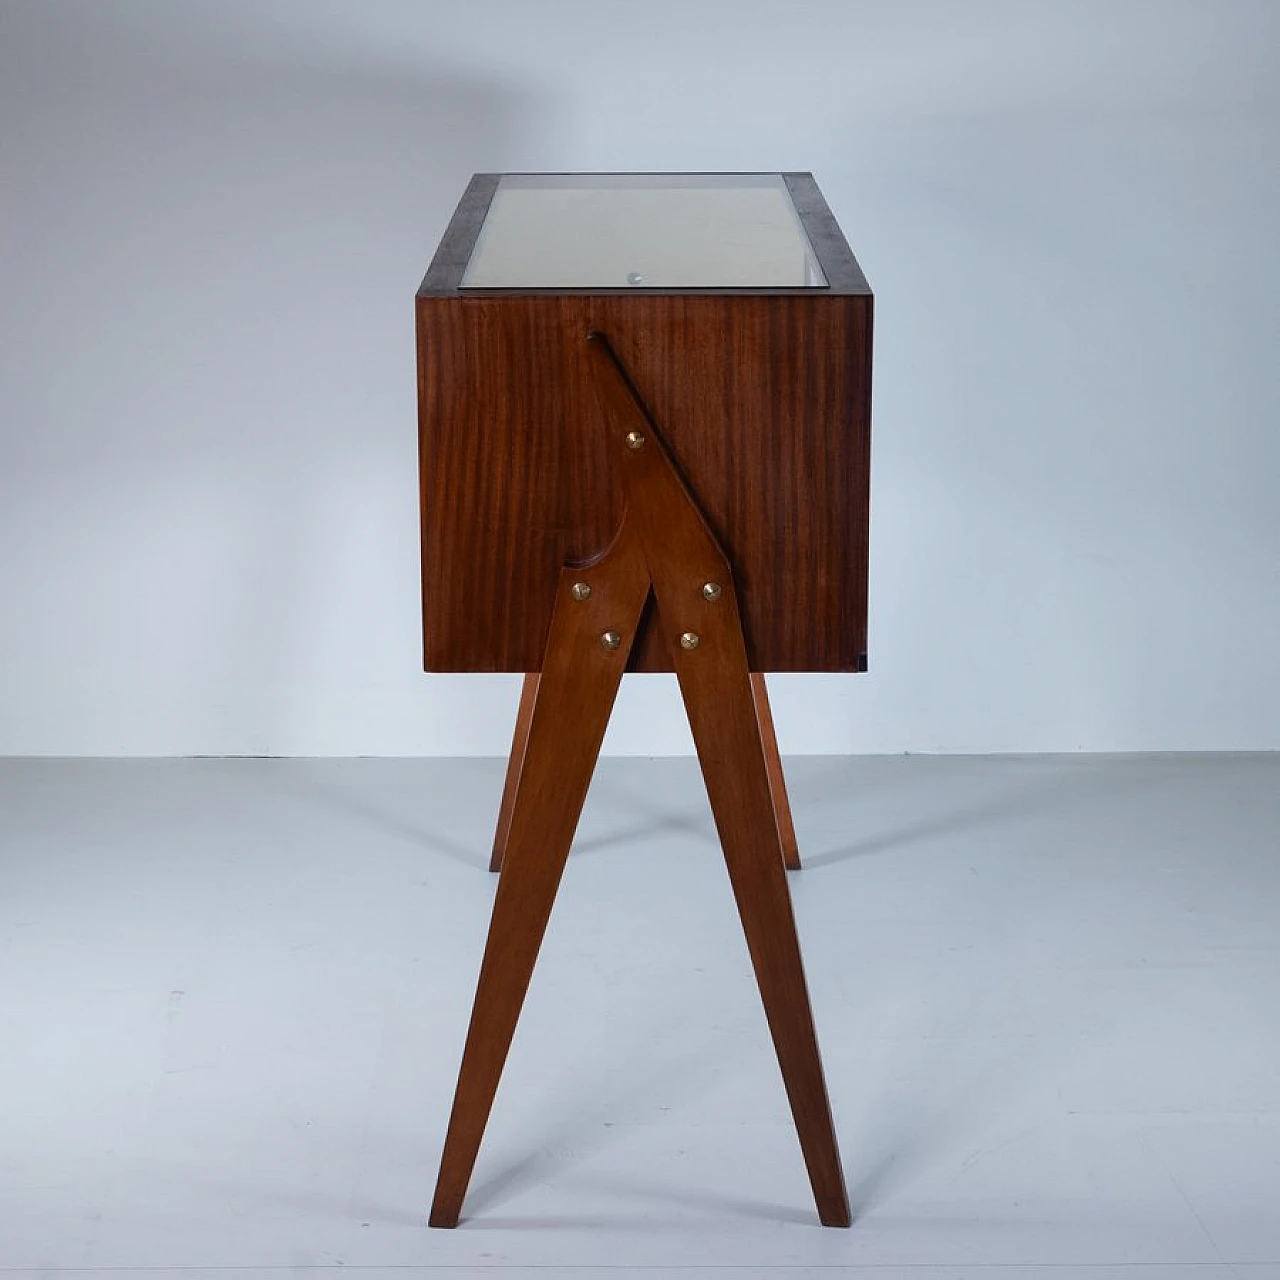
[(844, 276), (445, 272), (832, 249)]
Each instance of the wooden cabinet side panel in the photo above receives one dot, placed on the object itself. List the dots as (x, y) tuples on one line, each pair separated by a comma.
[(765, 402)]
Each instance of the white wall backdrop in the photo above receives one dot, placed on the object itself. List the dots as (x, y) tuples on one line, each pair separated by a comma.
[(215, 215)]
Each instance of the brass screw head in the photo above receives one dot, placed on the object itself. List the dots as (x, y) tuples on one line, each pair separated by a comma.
[(635, 440), (711, 590), (690, 640), (611, 639), (580, 591)]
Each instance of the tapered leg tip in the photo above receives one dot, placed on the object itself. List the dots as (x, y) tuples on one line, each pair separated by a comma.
[(443, 1216), (839, 1217)]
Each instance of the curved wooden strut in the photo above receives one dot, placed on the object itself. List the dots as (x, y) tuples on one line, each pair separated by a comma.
[(663, 545)]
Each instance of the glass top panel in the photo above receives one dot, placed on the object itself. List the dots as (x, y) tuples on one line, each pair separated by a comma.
[(642, 231)]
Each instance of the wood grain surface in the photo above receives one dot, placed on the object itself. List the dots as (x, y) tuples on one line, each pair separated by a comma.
[(777, 780), (765, 403), (768, 742), (663, 545), (575, 695), (705, 639), (515, 767)]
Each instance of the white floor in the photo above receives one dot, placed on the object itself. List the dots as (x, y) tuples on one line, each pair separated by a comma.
[(233, 996)]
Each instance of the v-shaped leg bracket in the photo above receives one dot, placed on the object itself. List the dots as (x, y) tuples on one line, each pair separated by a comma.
[(663, 545)]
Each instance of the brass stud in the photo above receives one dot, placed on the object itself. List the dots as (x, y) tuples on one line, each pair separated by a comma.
[(711, 590), (690, 640), (635, 440), (580, 591), (611, 639)]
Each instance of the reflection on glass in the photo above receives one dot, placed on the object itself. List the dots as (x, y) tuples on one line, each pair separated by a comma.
[(643, 231)]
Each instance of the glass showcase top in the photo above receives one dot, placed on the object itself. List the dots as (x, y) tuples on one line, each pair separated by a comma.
[(642, 231)]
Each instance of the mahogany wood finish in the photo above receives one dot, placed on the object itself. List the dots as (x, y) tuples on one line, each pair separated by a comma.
[(777, 783), (765, 399), (664, 541), (579, 684), (530, 485), (515, 764), (715, 682), (768, 741)]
